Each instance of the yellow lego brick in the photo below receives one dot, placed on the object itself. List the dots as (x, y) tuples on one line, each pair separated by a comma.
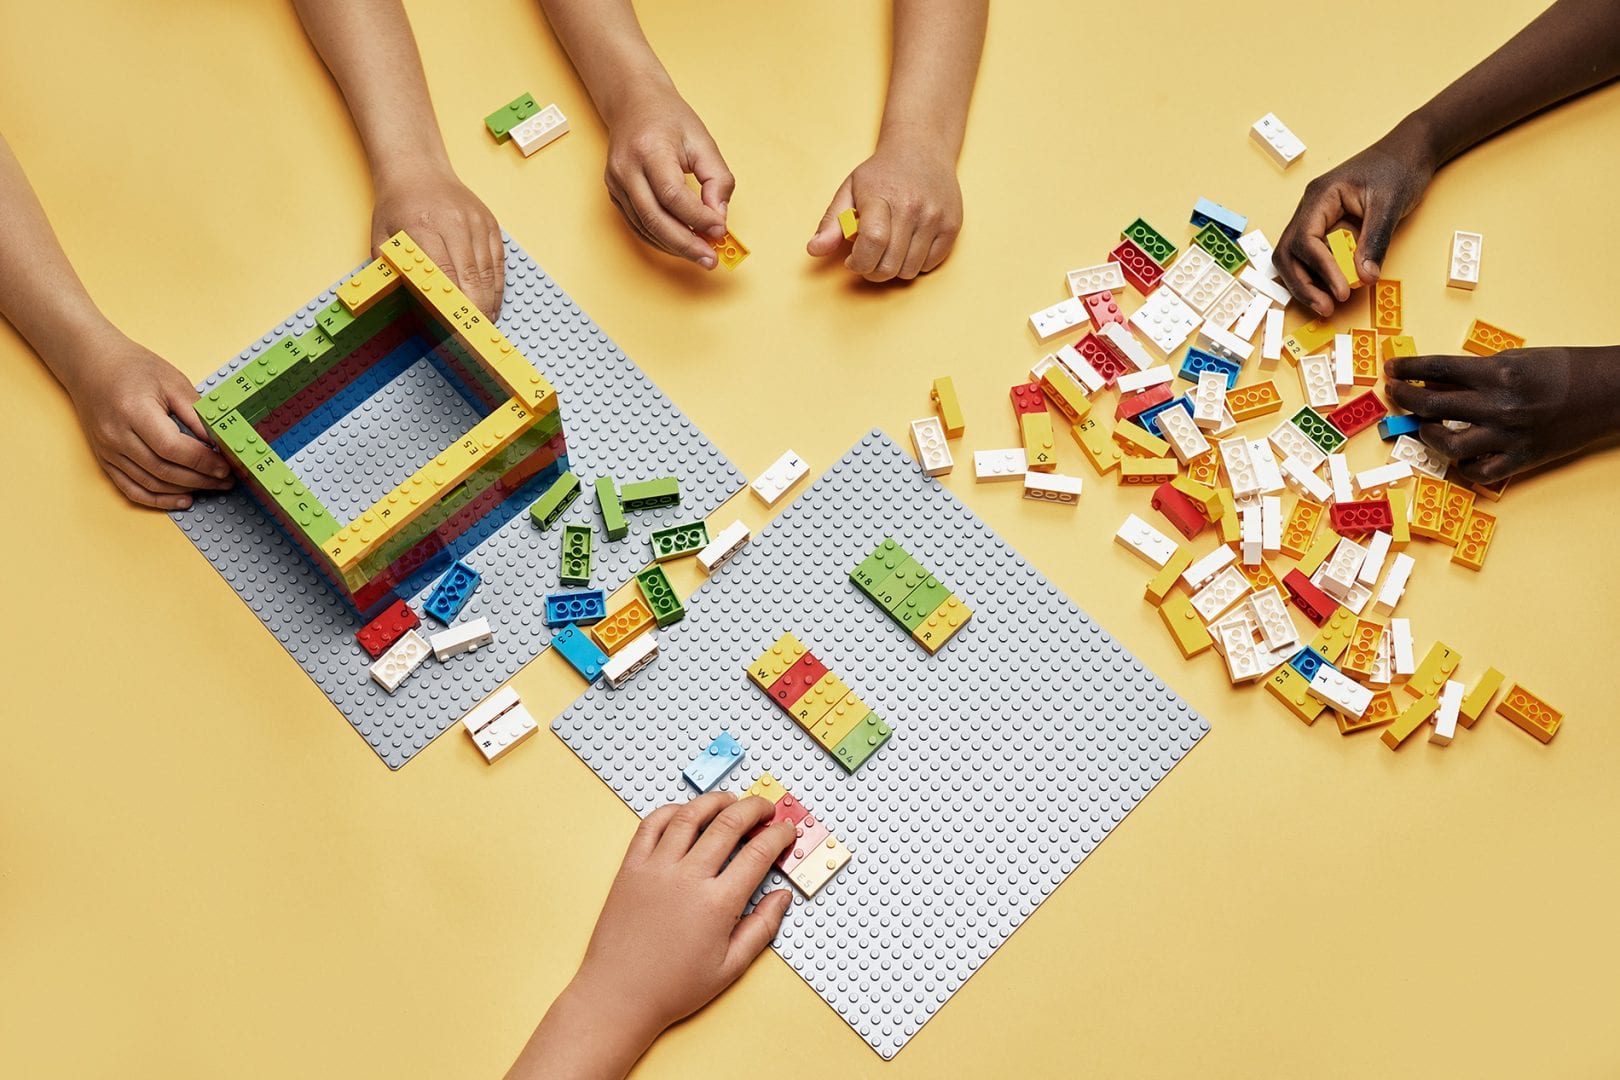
[(944, 398), (1479, 698), (1317, 553), (1200, 495), (1039, 449), (850, 222), (1205, 468), (1300, 528), (1486, 340), (1307, 339), (1493, 492), (813, 704), (1333, 637), (1149, 471), (622, 626), (1068, 395), (1400, 532), (942, 624), (1165, 580), (1261, 576), (1530, 712), (1182, 620), (1428, 506), (1381, 710), (374, 281), (1231, 526), (1409, 721), (1474, 539), (729, 250), (1343, 246), (1256, 399), (1103, 452), (1399, 345), (766, 787), (1459, 503), (783, 654), (1437, 666), (830, 728), (1384, 303), (1364, 357), (1290, 687), (1362, 652), (1139, 442)]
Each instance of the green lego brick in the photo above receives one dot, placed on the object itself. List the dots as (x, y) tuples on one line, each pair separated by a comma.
[(302, 509), (907, 576), (607, 501), (1316, 428), (558, 497), (666, 606), (1150, 240), (508, 116), (651, 494), (862, 742), (876, 567), (679, 540), (238, 441), (277, 374), (576, 555), (920, 603), (315, 343), (1222, 248), (334, 319)]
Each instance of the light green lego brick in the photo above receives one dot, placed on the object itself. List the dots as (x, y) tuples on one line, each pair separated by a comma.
[(920, 603), (907, 576), (558, 497), (664, 491), (677, 541), (1150, 240), (576, 555), (302, 509), (607, 501), (238, 441), (862, 742), (1222, 248), (876, 567), (508, 116), (666, 606)]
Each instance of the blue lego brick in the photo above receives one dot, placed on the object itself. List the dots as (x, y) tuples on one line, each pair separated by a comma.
[(1308, 662), (711, 766), (584, 607), (576, 647), (1198, 361), (1230, 223), (1391, 428), (452, 592), (1149, 418)]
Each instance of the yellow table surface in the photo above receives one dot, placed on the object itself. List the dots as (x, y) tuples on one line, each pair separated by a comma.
[(204, 872)]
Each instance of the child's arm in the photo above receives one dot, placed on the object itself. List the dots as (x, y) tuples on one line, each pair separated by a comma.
[(906, 194), (654, 137), (124, 393), (669, 937), (1570, 48), (368, 47)]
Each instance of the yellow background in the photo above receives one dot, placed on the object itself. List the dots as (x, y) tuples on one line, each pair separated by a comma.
[(204, 872)]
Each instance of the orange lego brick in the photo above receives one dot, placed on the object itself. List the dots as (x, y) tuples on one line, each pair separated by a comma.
[(1486, 340), (621, 627), (729, 250), (1530, 712), (1384, 300), (1492, 492), (1362, 652), (1290, 687), (1205, 469), (1261, 576), (1409, 721), (1364, 357), (1301, 528), (1381, 710), (1459, 503), (1428, 507), (1474, 539), (1257, 399)]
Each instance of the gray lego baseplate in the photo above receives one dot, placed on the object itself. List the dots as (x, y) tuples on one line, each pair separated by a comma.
[(1015, 749), (617, 422)]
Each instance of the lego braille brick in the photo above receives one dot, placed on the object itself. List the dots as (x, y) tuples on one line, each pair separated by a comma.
[(1474, 538), (378, 635), (402, 658), (775, 481), (1274, 137), (1466, 250), (504, 119), (943, 395), (582, 654), (1358, 413), (575, 566), (1221, 247), (714, 763), (1138, 267), (1384, 302), (849, 222), (612, 511), (540, 130), (1121, 732)]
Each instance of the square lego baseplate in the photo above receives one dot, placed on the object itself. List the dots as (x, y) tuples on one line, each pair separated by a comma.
[(1015, 749), (404, 400)]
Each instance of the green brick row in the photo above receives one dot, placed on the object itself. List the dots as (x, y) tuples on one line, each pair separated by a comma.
[(899, 584), (576, 555), (677, 541)]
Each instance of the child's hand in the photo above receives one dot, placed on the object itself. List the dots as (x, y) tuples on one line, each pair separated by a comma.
[(454, 227), (910, 209), (1525, 406), (124, 394), (654, 141), (1372, 192)]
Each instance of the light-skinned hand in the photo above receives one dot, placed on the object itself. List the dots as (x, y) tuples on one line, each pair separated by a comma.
[(453, 226), (910, 209), (654, 141)]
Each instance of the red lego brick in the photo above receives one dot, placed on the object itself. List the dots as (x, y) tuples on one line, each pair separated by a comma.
[(1103, 357), (1102, 308), (1315, 604), (1182, 511), (1027, 398), (804, 674), (1139, 268), (380, 633), (1133, 405), (1359, 412), (1369, 515), (790, 810)]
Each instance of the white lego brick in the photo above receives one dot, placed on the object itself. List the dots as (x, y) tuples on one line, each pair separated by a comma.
[(1247, 502), (1304, 481), (1209, 399), (1052, 487), (1095, 279), (775, 481), (1203, 569), (1242, 617), (1223, 590), (1133, 381), (1294, 443), (1041, 366), (1377, 555), (542, 129), (402, 658), (486, 712), (933, 451), (1243, 658), (1271, 339), (1340, 691), (1266, 471), (1179, 430), (1400, 641), (1344, 364), (1266, 285), (1079, 368), (1230, 305), (1356, 599), (1241, 474), (1212, 338), (1188, 268), (463, 637), (1251, 318), (1339, 572), (1271, 524), (1165, 321), (509, 730), (1420, 456), (1128, 346), (1445, 717), (1058, 319), (632, 658), (1316, 379), (1380, 674), (1383, 476), (1394, 587), (1466, 249), (1209, 287), (1339, 477), (1277, 628), (991, 466), (720, 550), (1280, 144), (1227, 422), (1251, 536), (1148, 542), (1256, 247)]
